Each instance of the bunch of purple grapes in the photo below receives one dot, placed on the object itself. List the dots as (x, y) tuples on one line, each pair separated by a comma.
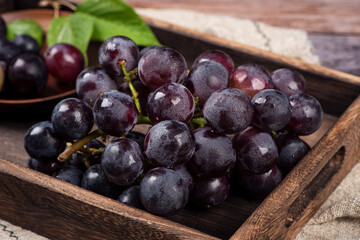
[(210, 126), (24, 72)]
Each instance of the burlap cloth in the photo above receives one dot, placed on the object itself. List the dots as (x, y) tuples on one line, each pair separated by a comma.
[(339, 216)]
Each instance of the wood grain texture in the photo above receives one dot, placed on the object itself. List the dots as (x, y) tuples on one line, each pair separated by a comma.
[(315, 16)]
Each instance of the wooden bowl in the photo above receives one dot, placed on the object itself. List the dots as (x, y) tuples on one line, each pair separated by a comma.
[(40, 105), (59, 210)]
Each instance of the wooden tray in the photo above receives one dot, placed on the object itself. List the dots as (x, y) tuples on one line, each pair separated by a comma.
[(59, 210)]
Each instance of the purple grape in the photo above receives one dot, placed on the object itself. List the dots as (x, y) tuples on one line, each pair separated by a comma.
[(116, 49), (131, 197), (27, 44), (146, 49), (160, 66), (306, 116), (210, 192), (8, 50), (258, 185), (138, 137), (72, 118), (171, 101), (42, 143), (70, 174), (228, 110), (49, 167), (214, 154), (217, 56), (288, 81), (251, 78), (3, 29), (94, 180), (3, 77), (169, 143), (291, 150), (256, 151), (115, 113), (77, 160), (186, 176), (272, 110), (92, 82), (27, 74), (64, 61), (122, 161), (206, 78), (163, 192)]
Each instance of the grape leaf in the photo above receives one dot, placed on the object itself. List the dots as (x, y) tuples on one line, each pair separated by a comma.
[(75, 29), (115, 17), (25, 26)]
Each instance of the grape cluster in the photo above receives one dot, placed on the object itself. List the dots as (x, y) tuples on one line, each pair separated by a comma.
[(24, 72), (211, 127)]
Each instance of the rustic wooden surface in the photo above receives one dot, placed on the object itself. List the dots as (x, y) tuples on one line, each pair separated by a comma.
[(49, 200)]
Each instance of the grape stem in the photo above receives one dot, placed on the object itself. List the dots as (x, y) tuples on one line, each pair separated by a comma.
[(64, 156), (135, 95), (56, 5), (201, 122)]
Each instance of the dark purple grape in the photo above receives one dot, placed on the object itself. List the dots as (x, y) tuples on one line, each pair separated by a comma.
[(210, 192), (3, 29), (42, 143), (72, 118), (122, 161), (214, 154), (258, 185), (64, 61), (291, 150), (171, 101), (49, 167), (27, 44), (169, 143), (217, 56), (94, 180), (8, 50), (70, 174), (115, 49), (131, 197), (306, 116), (27, 74), (256, 151), (206, 78), (163, 192), (146, 49), (78, 160), (228, 110), (272, 110), (251, 78), (138, 137), (92, 82), (186, 176), (115, 113), (160, 66), (288, 81)]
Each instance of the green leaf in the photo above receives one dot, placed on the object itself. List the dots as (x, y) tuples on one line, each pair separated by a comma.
[(75, 29), (25, 26), (115, 17)]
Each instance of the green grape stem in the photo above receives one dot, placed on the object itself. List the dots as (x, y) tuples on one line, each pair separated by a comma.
[(201, 122), (77, 146)]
